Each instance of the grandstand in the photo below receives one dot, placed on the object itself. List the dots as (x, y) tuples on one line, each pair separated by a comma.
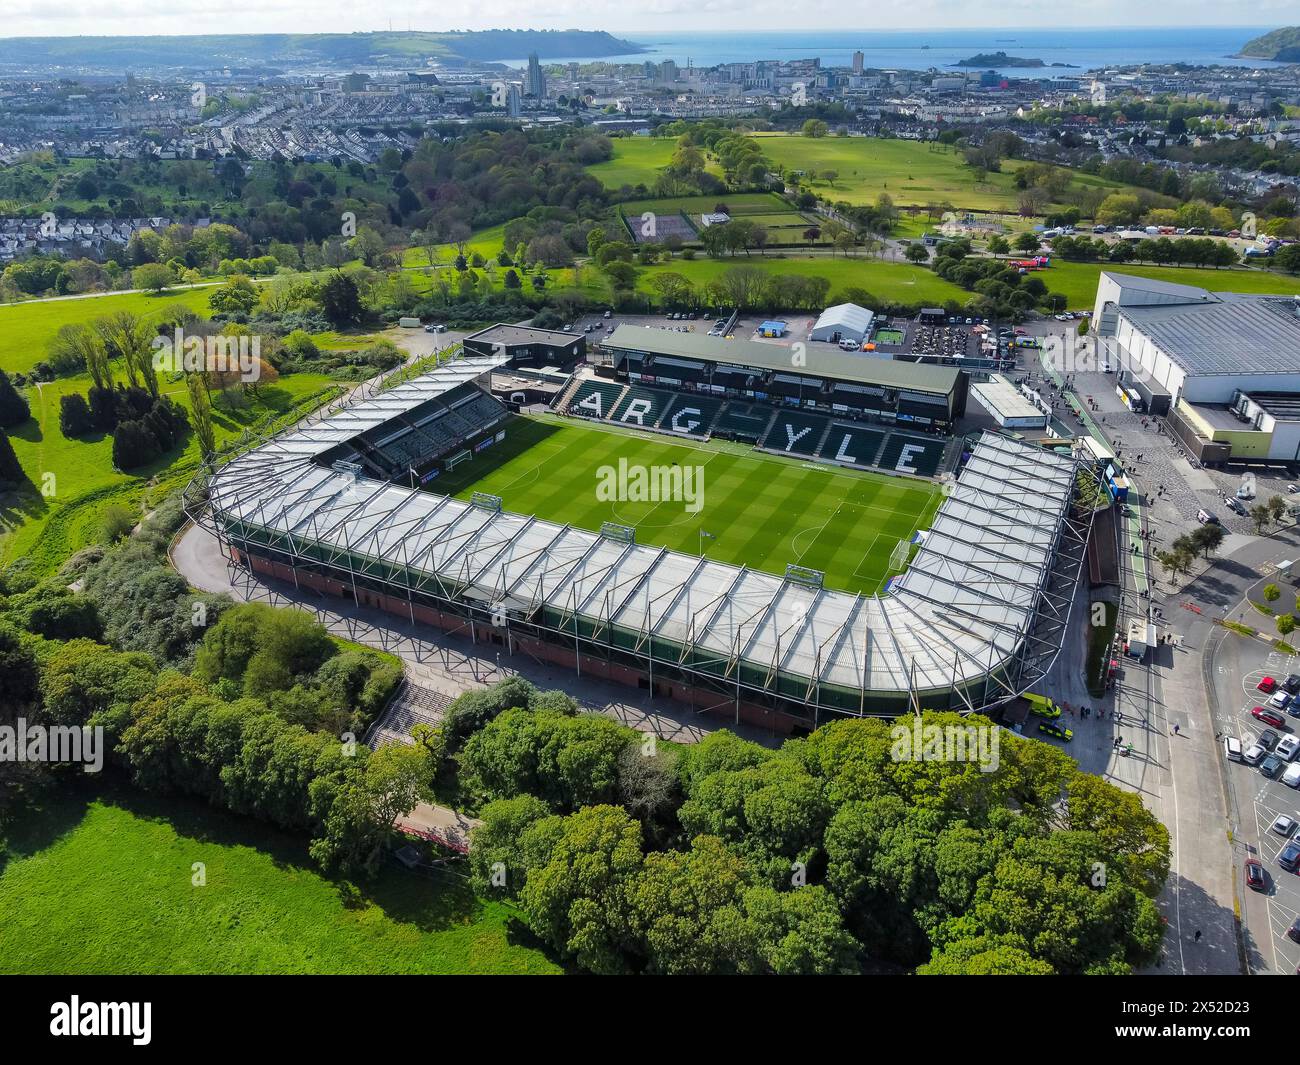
[(412, 443), (793, 433), (976, 618)]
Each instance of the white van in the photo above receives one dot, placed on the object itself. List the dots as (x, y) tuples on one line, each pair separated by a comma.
[(1232, 748)]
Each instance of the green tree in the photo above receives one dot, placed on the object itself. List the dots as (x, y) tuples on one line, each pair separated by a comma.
[(153, 277), (916, 253), (11, 471), (1285, 624), (13, 406), (1272, 593)]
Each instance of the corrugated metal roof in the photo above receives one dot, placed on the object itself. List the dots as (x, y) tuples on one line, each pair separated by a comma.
[(826, 362), (1244, 335)]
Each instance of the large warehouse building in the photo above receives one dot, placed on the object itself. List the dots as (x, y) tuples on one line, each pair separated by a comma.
[(977, 617), (1224, 367)]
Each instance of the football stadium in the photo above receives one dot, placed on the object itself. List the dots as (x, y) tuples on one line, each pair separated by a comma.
[(779, 547)]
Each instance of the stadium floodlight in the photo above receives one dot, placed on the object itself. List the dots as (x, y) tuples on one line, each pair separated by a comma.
[(624, 534), (809, 578)]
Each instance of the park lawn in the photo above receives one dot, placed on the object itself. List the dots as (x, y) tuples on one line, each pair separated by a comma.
[(81, 481), (764, 511), (638, 161), (894, 281), (105, 886), (487, 242), (27, 328), (911, 172), (1077, 282)]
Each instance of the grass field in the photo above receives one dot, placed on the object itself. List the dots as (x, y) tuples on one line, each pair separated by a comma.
[(910, 171), (105, 887), (48, 528), (637, 161), (765, 512), (26, 329), (1077, 282), (902, 282)]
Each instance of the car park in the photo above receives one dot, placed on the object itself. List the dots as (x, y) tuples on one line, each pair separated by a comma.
[(1269, 717), (1289, 856), (1271, 766), (1060, 732), (1253, 754), (1256, 879), (1283, 825), (1287, 747), (1268, 686)]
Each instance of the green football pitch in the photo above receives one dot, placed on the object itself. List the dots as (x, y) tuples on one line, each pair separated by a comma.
[(762, 510)]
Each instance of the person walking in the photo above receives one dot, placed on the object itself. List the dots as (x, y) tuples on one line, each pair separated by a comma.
[(1175, 730), (1197, 938)]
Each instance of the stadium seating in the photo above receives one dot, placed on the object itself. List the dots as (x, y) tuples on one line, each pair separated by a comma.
[(743, 421), (855, 444), (596, 399), (917, 455), (796, 433), (641, 407), (692, 414), (480, 412)]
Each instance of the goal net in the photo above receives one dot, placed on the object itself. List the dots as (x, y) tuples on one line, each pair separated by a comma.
[(898, 558)]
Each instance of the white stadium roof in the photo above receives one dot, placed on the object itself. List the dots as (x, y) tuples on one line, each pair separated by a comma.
[(960, 614)]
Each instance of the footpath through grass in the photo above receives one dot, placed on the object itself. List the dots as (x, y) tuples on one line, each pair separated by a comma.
[(763, 511), (106, 886)]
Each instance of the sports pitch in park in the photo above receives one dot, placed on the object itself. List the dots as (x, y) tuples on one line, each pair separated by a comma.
[(764, 511)]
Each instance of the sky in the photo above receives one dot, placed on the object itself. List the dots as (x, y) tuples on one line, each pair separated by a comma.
[(31, 18)]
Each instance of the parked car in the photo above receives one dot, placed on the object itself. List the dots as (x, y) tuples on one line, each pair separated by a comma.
[(1255, 877), (1060, 732), (609, 314), (1267, 739), (1291, 777), (1269, 717), (1292, 683), (1235, 505), (1293, 933), (1289, 856), (1284, 826), (1287, 747), (1268, 686), (1046, 708), (1271, 766), (1253, 754), (1279, 700)]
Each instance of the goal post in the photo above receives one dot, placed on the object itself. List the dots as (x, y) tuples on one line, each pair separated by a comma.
[(898, 557)]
